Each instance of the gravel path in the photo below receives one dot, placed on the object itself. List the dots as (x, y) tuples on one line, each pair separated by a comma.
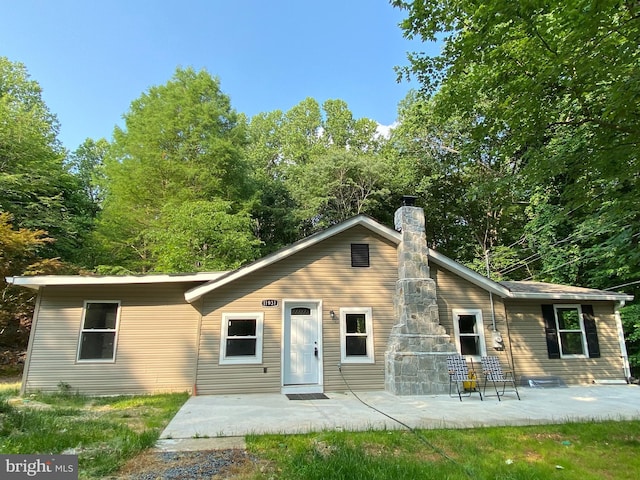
[(186, 465)]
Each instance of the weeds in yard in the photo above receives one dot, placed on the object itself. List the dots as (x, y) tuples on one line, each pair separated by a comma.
[(103, 432), (581, 451)]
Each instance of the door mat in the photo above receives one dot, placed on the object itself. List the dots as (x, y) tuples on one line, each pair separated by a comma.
[(307, 396)]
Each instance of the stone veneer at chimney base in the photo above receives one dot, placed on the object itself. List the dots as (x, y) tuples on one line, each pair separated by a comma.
[(416, 355)]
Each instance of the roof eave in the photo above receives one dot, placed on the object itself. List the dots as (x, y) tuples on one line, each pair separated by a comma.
[(616, 297), (469, 275), (195, 293), (18, 281), (37, 281)]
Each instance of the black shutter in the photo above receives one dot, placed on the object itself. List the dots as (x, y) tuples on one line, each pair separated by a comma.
[(591, 331), (551, 331)]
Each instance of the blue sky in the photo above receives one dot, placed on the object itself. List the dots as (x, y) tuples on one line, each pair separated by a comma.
[(93, 58)]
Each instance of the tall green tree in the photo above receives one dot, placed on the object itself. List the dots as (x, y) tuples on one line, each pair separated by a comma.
[(35, 186), (202, 235), (340, 129), (19, 254), (562, 83), (337, 185), (87, 164), (471, 192), (315, 166), (273, 206), (182, 143)]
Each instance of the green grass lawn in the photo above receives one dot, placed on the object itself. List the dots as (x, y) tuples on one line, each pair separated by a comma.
[(106, 432), (606, 450), (103, 431)]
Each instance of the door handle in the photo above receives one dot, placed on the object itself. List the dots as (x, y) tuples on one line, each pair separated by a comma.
[(315, 349)]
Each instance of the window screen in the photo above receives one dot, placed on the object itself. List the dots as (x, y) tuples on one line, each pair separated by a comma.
[(98, 337), (469, 332), (356, 332), (241, 338)]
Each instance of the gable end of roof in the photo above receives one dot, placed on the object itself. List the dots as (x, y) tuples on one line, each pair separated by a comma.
[(362, 220)]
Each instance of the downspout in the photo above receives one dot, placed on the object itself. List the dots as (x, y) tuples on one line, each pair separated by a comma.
[(506, 322), (623, 346), (200, 309), (493, 312), (32, 334), (493, 308), (496, 336)]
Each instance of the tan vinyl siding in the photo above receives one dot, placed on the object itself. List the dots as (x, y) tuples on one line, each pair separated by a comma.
[(454, 292), (322, 272), (156, 341), (529, 345), (526, 332)]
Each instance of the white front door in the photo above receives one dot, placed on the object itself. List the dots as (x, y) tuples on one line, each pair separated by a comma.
[(302, 344)]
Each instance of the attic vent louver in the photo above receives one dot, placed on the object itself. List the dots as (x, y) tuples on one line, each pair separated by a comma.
[(359, 254)]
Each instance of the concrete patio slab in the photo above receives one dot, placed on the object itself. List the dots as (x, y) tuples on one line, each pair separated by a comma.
[(200, 444), (240, 415)]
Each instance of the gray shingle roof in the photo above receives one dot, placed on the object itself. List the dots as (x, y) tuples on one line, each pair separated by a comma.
[(556, 290)]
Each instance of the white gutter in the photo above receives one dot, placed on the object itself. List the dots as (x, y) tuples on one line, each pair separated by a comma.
[(18, 281), (36, 282), (620, 297)]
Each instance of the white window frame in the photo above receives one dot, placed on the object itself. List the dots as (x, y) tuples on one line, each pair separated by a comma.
[(368, 315), (479, 327), (106, 330), (583, 333), (241, 359)]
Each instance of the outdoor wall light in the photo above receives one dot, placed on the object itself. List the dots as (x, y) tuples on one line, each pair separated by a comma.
[(332, 314)]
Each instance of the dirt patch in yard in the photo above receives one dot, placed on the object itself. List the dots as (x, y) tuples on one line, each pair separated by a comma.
[(152, 465)]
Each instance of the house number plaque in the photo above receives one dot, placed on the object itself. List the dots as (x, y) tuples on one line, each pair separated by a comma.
[(270, 303)]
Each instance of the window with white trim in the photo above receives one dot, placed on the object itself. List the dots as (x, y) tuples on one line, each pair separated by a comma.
[(571, 333), (98, 336), (469, 332), (241, 338), (356, 335)]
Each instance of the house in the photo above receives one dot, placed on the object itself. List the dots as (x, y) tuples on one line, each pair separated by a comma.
[(358, 303)]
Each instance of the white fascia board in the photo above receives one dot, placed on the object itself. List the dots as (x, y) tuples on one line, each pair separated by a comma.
[(395, 237), (388, 233), (504, 292), (18, 281), (570, 296), (38, 281), (367, 222), (468, 274)]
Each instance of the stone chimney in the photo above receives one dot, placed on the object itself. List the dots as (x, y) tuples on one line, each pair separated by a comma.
[(416, 355)]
